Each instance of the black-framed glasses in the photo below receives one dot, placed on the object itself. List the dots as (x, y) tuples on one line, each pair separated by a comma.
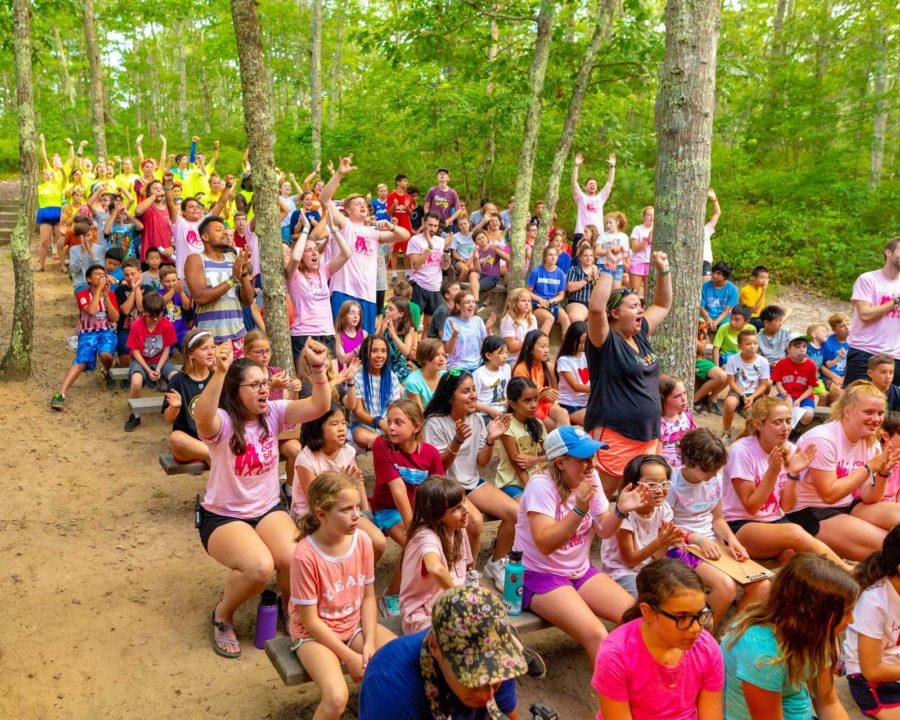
[(615, 301), (257, 385), (685, 622)]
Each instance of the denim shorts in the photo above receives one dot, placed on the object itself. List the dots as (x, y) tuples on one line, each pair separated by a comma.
[(91, 344), (134, 367)]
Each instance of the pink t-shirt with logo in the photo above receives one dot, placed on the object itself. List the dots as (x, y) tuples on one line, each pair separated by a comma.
[(245, 486), (748, 462), (881, 335), (359, 276), (573, 558), (336, 585), (312, 303), (642, 232), (429, 276), (418, 591), (317, 462), (590, 209), (835, 453), (187, 242)]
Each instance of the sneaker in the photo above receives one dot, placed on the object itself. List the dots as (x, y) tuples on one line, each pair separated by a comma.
[(389, 605), (727, 438), (111, 384), (72, 343), (715, 408), (496, 570), (393, 278), (700, 407), (58, 401), (132, 422)]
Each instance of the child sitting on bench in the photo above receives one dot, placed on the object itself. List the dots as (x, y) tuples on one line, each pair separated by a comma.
[(199, 354)]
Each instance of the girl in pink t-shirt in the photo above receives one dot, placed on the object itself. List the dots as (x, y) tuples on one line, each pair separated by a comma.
[(350, 334), (641, 245), (243, 524), (848, 457), (325, 449), (332, 616), (437, 552), (759, 485), (662, 662), (675, 420)]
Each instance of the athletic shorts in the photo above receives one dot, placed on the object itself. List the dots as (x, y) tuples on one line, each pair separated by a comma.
[(538, 583), (400, 247), (91, 344), (820, 388), (742, 399), (639, 268), (736, 525), (210, 521), (428, 300), (571, 408), (386, 519), (298, 341), (873, 697), (702, 366), (684, 556), (122, 342), (810, 518), (296, 644), (621, 450), (48, 216), (514, 491), (488, 282)]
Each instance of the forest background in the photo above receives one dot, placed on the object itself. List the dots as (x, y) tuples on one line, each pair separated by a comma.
[(804, 156)]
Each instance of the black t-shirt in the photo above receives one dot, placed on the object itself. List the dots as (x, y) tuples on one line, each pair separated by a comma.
[(624, 386), (438, 320), (893, 397), (123, 292), (190, 390), (415, 217)]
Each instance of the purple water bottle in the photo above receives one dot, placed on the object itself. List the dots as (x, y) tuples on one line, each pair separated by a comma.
[(266, 618)]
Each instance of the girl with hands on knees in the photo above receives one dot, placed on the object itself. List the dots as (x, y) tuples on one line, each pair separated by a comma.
[(199, 353), (332, 617), (243, 524), (455, 427), (562, 508)]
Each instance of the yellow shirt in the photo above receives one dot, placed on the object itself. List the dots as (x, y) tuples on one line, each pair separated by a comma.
[(126, 182), (49, 194), (750, 295)]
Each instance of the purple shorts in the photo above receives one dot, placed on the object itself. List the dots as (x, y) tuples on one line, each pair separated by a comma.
[(688, 558), (537, 583)]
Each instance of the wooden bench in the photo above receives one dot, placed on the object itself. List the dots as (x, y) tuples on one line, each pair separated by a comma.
[(171, 466), (278, 649), (121, 373), (145, 405)]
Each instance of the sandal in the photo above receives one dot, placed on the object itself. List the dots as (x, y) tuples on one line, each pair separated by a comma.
[(219, 631)]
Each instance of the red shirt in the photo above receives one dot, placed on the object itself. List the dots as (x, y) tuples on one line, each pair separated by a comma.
[(401, 212), (412, 468), (99, 320), (157, 230), (795, 377), (151, 344)]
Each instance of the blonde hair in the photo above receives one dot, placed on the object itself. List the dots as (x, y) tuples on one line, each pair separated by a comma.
[(837, 318), (253, 337), (512, 303), (853, 394), (595, 234), (413, 412), (760, 411), (323, 494), (810, 329), (187, 347)]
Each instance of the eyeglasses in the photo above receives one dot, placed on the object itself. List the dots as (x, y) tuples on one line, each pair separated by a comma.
[(257, 385), (261, 353), (685, 622), (654, 486), (614, 302)]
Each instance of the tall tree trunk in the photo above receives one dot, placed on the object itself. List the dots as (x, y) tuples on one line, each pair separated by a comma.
[(606, 13), (524, 176), (336, 75), (98, 118), (258, 125), (778, 29), (16, 363), (315, 80), (490, 142), (879, 123), (685, 102), (182, 82), (67, 87), (204, 88)]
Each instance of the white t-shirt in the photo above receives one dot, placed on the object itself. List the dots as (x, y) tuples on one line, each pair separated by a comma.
[(429, 276), (608, 240), (644, 530), (748, 376), (881, 335), (835, 453), (641, 232), (440, 430), (577, 365), (877, 616), (590, 208), (358, 277), (708, 231), (693, 503), (517, 330), (491, 386), (748, 462), (187, 242)]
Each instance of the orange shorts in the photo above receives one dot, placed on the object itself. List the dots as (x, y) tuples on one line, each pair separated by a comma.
[(621, 450)]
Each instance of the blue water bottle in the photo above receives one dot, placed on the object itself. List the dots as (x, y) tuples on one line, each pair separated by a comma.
[(512, 585)]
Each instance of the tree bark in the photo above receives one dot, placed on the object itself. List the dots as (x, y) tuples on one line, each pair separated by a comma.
[(315, 80), (98, 116), (16, 363), (685, 102), (68, 90), (534, 107), (490, 143), (606, 12), (879, 122), (258, 125)]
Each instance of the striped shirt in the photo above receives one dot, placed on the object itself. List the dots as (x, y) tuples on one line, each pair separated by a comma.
[(583, 296), (222, 317)]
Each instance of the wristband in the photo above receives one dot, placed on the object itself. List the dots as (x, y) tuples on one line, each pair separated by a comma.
[(320, 382), (578, 511), (795, 478), (350, 384), (618, 513), (664, 272), (457, 440), (489, 444), (231, 282), (687, 537), (376, 421), (871, 474)]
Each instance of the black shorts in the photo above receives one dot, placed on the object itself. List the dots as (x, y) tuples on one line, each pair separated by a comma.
[(810, 518), (740, 398), (298, 341), (873, 697), (707, 268), (736, 525), (210, 521), (428, 300)]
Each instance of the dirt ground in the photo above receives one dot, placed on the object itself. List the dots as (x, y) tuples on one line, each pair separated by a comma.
[(107, 590)]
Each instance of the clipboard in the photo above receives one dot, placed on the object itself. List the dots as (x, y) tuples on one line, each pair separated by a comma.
[(743, 573)]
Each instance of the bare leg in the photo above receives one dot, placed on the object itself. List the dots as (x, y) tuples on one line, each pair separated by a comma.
[(71, 377), (398, 535), (566, 609), (770, 540), (326, 672), (716, 380), (277, 531), (474, 528), (723, 590), (493, 501), (544, 319), (186, 448), (881, 514), (731, 404), (576, 312)]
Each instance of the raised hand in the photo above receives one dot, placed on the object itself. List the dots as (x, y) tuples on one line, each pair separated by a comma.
[(315, 354), (612, 160), (669, 535), (345, 165), (195, 138), (139, 139), (224, 356), (579, 159), (584, 493), (776, 459), (168, 178), (68, 141), (498, 426), (660, 261), (454, 328), (215, 144), (633, 497)]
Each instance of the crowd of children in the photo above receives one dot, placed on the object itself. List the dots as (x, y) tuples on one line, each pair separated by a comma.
[(419, 378)]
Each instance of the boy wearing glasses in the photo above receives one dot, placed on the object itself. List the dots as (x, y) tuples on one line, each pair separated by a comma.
[(150, 340)]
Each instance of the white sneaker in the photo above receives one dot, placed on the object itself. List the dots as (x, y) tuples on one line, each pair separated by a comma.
[(72, 343), (727, 439), (496, 570)]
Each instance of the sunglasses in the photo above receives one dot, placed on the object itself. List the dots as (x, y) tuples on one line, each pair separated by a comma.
[(615, 301)]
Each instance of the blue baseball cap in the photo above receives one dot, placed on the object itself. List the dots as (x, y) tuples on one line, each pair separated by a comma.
[(571, 440)]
